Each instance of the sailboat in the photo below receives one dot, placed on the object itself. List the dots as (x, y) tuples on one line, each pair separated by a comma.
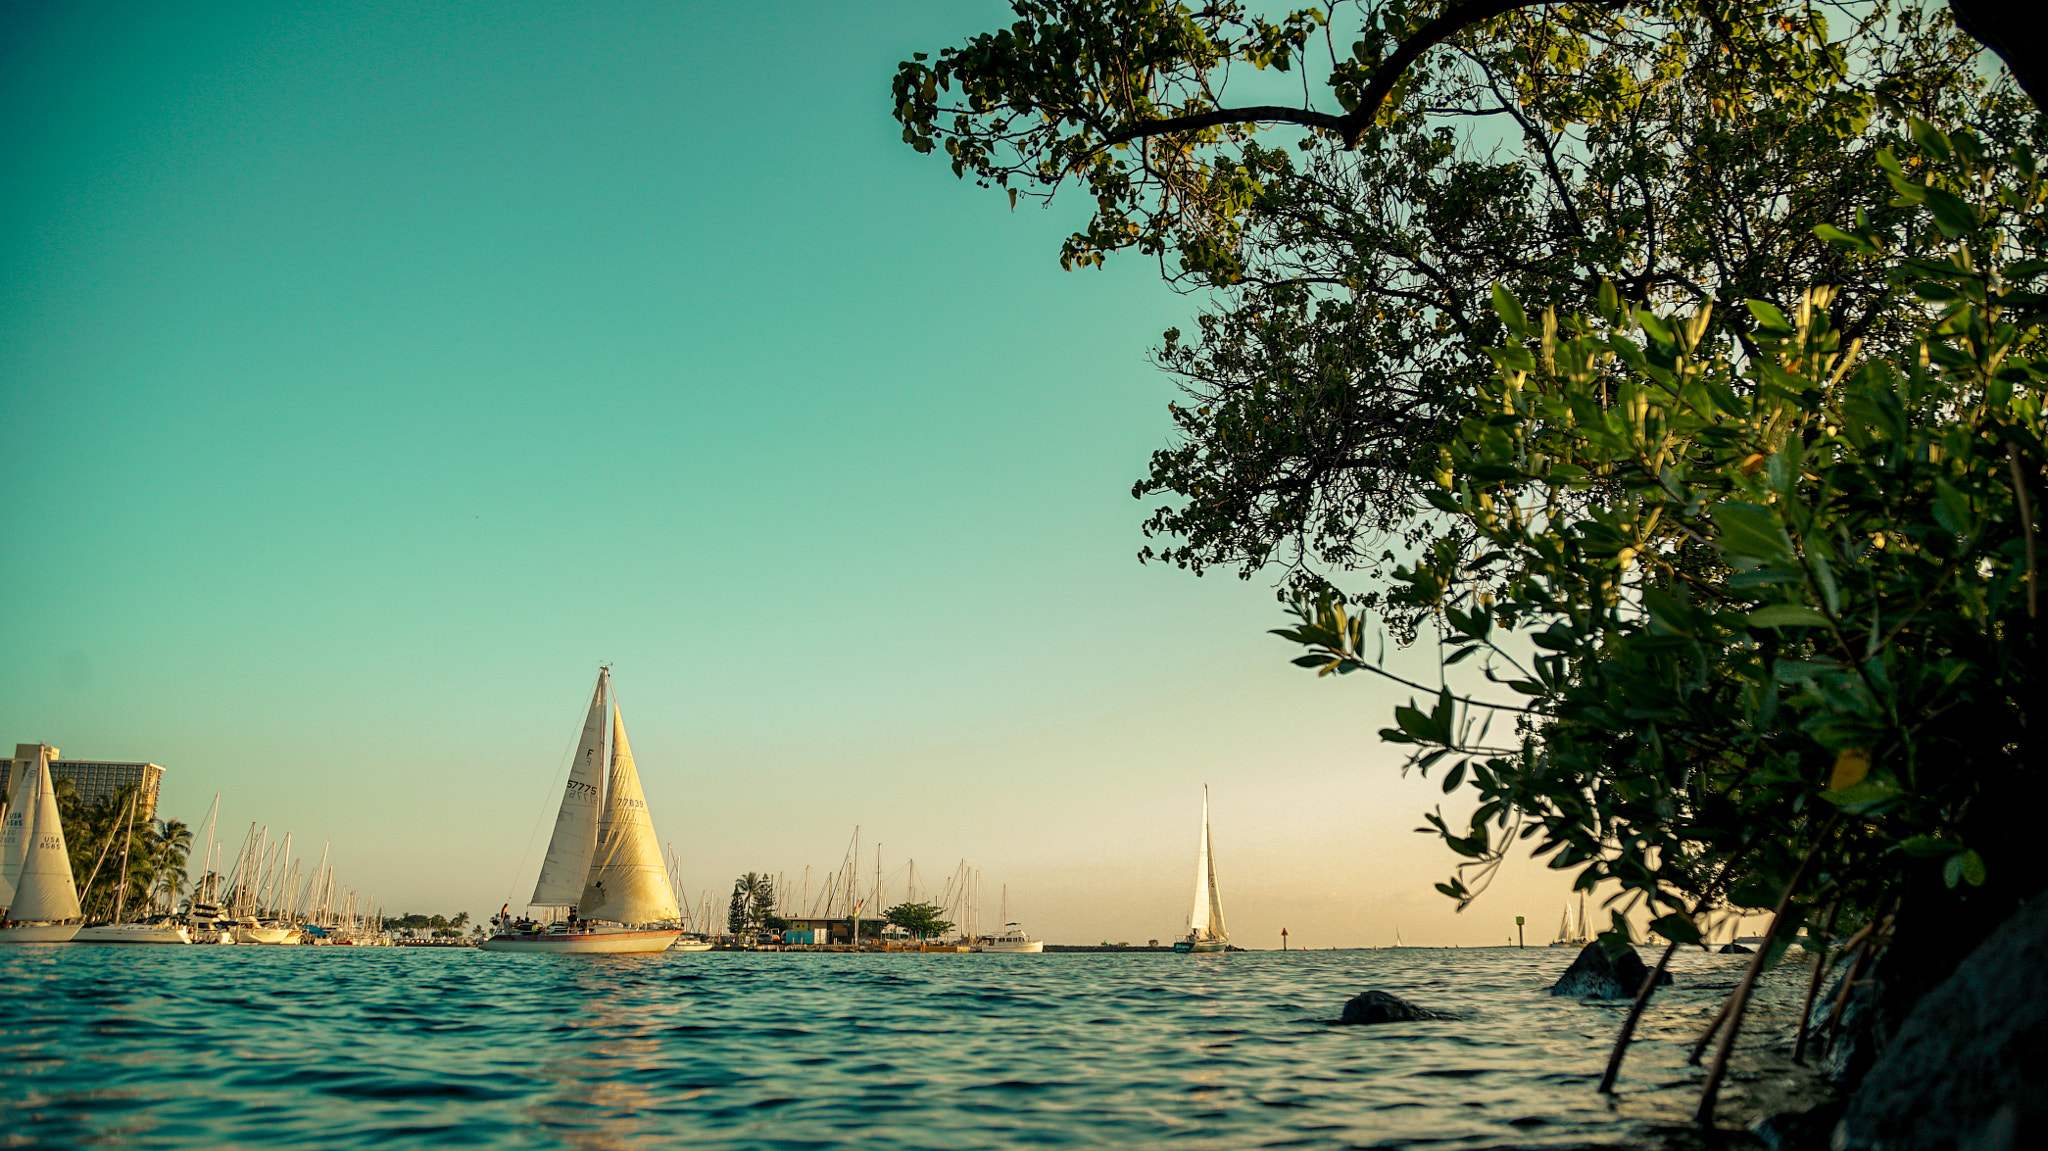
[(1567, 936), (1205, 926), (604, 861), (118, 929), (36, 888)]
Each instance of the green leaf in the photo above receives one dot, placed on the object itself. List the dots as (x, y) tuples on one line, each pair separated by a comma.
[(1510, 311), (1928, 847), (1750, 530), (1787, 615), (1928, 137), (1677, 928), (1951, 213), (1769, 318), (1865, 798)]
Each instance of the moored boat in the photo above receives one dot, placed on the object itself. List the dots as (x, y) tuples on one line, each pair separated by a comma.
[(117, 932), (604, 861), (38, 898), (120, 929), (1206, 932), (1012, 941)]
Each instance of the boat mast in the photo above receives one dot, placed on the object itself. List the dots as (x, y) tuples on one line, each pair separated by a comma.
[(127, 841)]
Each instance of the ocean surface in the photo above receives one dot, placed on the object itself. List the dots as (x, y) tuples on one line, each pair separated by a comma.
[(396, 1047)]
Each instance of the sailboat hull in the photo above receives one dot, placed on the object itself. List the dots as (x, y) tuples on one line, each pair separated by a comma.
[(133, 933), (1201, 946), (584, 943), (269, 935), (1014, 947), (39, 933)]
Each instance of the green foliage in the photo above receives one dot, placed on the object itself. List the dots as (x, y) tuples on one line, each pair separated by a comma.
[(436, 926), (1676, 151), (156, 851), (1780, 606), (919, 919), (753, 903)]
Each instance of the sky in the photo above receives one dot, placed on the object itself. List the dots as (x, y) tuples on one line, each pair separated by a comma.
[(374, 372)]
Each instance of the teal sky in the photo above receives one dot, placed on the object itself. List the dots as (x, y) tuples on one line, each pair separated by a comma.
[(371, 373)]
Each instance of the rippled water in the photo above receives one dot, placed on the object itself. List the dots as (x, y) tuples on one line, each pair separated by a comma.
[(381, 1047)]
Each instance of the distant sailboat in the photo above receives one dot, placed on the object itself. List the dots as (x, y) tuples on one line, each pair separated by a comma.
[(1567, 936), (37, 891), (604, 862), (1205, 926)]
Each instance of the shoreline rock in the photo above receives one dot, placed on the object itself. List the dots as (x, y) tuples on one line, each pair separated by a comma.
[(1599, 973), (1368, 1007)]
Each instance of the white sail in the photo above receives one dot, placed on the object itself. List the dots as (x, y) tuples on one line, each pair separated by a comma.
[(1216, 928), (43, 889), (567, 866), (628, 882), (14, 825), (1205, 897)]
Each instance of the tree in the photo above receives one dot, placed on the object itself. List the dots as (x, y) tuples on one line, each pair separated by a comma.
[(1672, 149), (919, 919), (1787, 659), (753, 901), (170, 842), (1758, 480)]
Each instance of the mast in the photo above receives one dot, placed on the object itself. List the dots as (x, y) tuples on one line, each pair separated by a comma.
[(127, 841)]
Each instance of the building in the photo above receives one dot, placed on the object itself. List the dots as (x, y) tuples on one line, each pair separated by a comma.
[(96, 780)]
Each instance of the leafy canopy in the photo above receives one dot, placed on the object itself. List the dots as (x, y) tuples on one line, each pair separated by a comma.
[(1679, 151)]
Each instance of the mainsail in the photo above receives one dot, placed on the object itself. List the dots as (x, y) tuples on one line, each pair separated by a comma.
[(628, 880), (1207, 921), (14, 826), (43, 889), (567, 866)]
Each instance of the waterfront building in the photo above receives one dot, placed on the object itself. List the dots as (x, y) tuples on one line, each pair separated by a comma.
[(96, 780)]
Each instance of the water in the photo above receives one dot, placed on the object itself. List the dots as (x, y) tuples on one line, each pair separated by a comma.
[(383, 1047)]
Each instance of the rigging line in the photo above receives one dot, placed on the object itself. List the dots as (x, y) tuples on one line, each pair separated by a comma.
[(561, 779)]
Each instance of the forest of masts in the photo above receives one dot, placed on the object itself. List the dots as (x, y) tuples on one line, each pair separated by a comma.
[(268, 882), (838, 893)]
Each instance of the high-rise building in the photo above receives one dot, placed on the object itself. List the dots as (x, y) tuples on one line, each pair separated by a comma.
[(96, 780)]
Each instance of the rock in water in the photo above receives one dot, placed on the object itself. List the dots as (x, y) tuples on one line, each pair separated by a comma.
[(1380, 1007), (1602, 974), (1969, 1067)]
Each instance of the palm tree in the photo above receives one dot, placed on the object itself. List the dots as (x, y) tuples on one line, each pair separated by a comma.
[(170, 841)]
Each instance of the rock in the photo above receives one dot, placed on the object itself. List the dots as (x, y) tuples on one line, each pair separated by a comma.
[(1736, 949), (1799, 1130), (1969, 1066), (1380, 1007), (1597, 974)]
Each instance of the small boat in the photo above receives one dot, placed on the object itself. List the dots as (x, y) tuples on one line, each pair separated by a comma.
[(1206, 932), (248, 929), (604, 861), (38, 897), (1013, 941), (690, 945)]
